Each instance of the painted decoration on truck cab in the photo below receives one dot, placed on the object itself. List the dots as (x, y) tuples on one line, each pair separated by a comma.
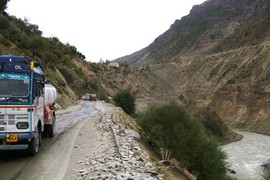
[(14, 76)]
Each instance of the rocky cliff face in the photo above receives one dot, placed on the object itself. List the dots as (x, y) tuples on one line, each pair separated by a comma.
[(203, 29), (217, 57)]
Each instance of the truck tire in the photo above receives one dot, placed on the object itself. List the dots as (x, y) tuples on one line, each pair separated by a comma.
[(33, 145)]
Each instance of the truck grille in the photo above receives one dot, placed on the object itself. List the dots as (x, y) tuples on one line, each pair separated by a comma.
[(11, 120), (2, 122)]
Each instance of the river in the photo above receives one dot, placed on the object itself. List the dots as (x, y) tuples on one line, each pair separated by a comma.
[(246, 156)]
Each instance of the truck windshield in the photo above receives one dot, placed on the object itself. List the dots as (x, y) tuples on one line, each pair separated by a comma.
[(12, 85)]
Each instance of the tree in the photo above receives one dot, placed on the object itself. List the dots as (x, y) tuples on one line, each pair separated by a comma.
[(73, 50), (25, 42), (174, 132), (4, 23), (67, 59), (3, 5), (125, 100), (81, 56), (50, 58), (34, 30), (37, 45)]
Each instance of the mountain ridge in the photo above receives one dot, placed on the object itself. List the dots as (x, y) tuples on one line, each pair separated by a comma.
[(210, 21), (217, 57)]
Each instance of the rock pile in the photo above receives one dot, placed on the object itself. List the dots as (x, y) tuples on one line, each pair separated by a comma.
[(125, 161)]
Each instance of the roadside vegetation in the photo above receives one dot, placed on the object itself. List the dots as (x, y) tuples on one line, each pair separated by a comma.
[(65, 67), (172, 130), (266, 174), (126, 100)]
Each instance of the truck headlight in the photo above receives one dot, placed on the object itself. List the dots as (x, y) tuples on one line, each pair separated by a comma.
[(22, 125)]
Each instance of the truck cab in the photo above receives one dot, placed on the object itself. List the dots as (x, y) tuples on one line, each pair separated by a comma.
[(22, 103)]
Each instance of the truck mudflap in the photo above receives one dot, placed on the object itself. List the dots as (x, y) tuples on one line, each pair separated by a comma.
[(20, 144)]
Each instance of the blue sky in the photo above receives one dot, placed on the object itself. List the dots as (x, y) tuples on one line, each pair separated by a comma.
[(102, 29)]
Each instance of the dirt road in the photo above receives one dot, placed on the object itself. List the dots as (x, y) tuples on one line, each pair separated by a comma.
[(89, 144)]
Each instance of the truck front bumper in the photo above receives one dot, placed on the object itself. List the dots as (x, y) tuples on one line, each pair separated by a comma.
[(22, 143)]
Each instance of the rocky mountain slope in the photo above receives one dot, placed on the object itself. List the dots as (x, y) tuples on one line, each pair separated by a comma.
[(191, 63), (217, 57)]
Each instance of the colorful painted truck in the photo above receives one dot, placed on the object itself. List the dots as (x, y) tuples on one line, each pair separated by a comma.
[(26, 104)]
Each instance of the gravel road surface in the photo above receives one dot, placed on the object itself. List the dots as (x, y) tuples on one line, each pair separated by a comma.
[(89, 144)]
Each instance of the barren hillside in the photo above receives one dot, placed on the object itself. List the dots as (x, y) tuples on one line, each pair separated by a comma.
[(217, 58)]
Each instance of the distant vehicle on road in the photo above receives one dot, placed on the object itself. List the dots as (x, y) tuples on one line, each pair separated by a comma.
[(89, 97)]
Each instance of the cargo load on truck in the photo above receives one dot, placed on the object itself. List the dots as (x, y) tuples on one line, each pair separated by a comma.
[(26, 104)]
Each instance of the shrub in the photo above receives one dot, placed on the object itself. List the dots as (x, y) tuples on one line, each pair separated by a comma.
[(181, 97), (266, 174), (214, 126), (231, 81), (25, 42), (170, 127), (14, 36), (79, 72), (95, 67), (4, 23), (50, 58), (103, 95), (37, 45), (124, 64), (67, 59), (4, 41), (126, 101), (68, 76)]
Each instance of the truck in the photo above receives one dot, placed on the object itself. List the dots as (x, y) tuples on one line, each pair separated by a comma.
[(27, 104), (89, 97)]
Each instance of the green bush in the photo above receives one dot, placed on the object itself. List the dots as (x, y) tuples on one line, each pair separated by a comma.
[(214, 126), (4, 41), (124, 64), (170, 127), (25, 42), (68, 75), (4, 23), (266, 174), (231, 81), (125, 100), (95, 67), (67, 59), (78, 71), (14, 36), (50, 58), (103, 95)]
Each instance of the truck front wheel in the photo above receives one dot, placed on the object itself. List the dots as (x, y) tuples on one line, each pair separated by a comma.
[(33, 145)]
